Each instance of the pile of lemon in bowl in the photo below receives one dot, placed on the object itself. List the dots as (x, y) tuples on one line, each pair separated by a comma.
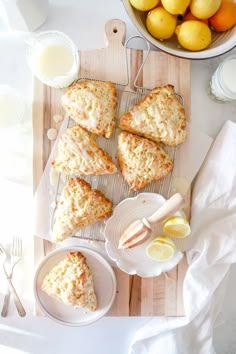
[(192, 21), (162, 248)]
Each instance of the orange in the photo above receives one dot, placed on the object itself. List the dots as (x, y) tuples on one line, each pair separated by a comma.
[(189, 16), (225, 17)]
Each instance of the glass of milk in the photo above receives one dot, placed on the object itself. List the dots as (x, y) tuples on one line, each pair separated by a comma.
[(223, 81), (53, 58)]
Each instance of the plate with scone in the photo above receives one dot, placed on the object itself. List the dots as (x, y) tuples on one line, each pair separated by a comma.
[(74, 286), (140, 237)]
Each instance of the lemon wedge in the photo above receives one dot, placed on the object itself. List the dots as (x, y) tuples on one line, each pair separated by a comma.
[(161, 249), (177, 226)]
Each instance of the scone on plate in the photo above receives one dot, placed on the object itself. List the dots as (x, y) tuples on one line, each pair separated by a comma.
[(92, 104), (71, 282), (78, 207), (79, 154), (141, 160), (159, 116)]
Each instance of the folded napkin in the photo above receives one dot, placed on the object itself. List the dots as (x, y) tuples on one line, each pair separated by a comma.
[(213, 250)]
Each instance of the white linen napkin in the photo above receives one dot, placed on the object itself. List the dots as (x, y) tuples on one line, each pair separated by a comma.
[(213, 250)]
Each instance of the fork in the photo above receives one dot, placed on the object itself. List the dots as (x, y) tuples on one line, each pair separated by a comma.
[(16, 254)]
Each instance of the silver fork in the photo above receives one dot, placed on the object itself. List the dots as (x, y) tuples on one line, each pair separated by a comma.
[(16, 254)]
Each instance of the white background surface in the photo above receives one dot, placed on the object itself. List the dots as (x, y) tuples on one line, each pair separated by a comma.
[(84, 22)]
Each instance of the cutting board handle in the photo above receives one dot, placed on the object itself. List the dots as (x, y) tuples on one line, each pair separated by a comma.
[(115, 34)]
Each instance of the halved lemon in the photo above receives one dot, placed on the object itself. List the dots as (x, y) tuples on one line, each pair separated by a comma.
[(177, 226), (161, 249)]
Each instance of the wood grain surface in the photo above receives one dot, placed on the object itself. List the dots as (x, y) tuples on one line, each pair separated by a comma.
[(136, 296)]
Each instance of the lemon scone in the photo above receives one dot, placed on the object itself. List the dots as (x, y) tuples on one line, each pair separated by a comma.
[(79, 154), (159, 116), (78, 207), (141, 160), (92, 104), (71, 282)]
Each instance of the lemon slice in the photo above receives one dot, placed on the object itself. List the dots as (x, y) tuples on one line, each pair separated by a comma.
[(177, 226), (164, 239), (161, 249)]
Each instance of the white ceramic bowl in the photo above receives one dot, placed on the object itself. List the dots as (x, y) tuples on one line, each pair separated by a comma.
[(221, 42)]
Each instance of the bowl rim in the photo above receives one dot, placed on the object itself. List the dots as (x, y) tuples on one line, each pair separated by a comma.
[(188, 54)]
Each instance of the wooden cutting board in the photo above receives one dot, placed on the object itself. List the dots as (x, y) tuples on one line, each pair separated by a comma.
[(136, 296)]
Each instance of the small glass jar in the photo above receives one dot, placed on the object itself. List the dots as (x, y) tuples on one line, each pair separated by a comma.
[(223, 81)]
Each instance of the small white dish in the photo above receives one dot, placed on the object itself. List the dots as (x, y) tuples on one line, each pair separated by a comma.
[(104, 283), (135, 260)]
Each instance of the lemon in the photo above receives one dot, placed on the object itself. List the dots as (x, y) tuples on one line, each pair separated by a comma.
[(176, 7), (193, 35), (160, 23), (161, 249), (164, 239), (177, 226), (144, 5), (204, 8)]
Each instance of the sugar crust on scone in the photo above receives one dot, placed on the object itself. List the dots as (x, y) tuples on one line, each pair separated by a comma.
[(159, 116), (92, 104), (78, 207), (141, 160), (71, 282), (80, 155)]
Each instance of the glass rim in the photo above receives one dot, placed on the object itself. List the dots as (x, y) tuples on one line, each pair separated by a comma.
[(221, 81)]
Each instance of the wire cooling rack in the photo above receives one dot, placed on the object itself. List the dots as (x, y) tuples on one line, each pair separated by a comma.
[(114, 186)]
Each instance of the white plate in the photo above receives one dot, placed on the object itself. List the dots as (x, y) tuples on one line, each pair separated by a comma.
[(135, 260), (104, 282)]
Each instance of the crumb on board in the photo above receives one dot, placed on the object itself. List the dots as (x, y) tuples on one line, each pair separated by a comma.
[(52, 134), (57, 118)]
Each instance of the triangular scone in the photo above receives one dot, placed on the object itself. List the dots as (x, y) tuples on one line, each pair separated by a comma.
[(78, 207), (141, 160), (71, 282), (92, 104), (159, 116), (79, 154)]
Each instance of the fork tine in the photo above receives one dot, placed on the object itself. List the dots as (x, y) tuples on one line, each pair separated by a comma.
[(14, 246), (19, 246)]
